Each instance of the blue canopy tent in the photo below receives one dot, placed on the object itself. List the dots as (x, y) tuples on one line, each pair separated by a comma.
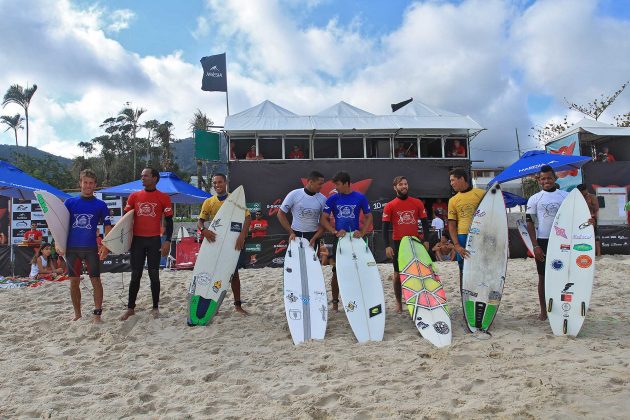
[(513, 200), (531, 162), (179, 191), (15, 183)]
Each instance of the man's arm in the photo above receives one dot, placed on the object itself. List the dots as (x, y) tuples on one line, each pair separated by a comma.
[(168, 232), (539, 254), (367, 222), (206, 233), (240, 241), (452, 230), (325, 223), (284, 222)]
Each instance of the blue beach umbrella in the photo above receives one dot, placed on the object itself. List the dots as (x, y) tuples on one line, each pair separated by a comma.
[(513, 200), (531, 162), (16, 183), (180, 192)]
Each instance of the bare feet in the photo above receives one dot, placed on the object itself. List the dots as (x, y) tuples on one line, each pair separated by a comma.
[(240, 310), (155, 313), (76, 317), (127, 314), (335, 305), (542, 317), (97, 319), (398, 307)]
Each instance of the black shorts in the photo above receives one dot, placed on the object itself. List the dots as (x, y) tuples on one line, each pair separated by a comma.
[(75, 258), (540, 265), (395, 260), (596, 231), (308, 236), (334, 249)]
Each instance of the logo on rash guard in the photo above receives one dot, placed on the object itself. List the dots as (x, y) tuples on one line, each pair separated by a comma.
[(82, 221), (146, 209), (167, 209), (346, 211), (406, 217)]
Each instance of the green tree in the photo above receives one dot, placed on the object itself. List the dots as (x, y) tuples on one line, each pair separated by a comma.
[(16, 94), (13, 123), (132, 119), (165, 135), (596, 107), (623, 120), (200, 121), (48, 170)]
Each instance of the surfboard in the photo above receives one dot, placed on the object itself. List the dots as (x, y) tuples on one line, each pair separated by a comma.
[(361, 289), (423, 292), (305, 298), (570, 266), (524, 234), (57, 217), (484, 270), (216, 261), (118, 240)]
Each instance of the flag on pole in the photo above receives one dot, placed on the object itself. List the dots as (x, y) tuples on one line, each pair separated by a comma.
[(214, 73)]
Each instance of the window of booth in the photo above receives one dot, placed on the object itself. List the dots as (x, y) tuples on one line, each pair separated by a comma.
[(351, 147), (455, 147), (406, 147), (377, 148), (240, 146), (431, 147), (270, 148), (296, 148), (326, 147)]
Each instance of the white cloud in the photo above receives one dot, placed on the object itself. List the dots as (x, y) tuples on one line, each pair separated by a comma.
[(202, 29), (119, 19)]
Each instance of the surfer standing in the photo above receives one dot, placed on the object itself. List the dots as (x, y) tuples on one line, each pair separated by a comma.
[(209, 210), (461, 209), (149, 206), (403, 213), (306, 205), (346, 207), (543, 205), (86, 213)]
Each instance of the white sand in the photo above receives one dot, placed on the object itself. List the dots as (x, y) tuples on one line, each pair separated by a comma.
[(248, 367)]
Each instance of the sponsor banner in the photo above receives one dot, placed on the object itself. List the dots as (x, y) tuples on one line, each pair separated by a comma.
[(615, 239), (568, 146)]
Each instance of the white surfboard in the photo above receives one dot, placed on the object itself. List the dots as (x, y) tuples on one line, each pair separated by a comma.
[(305, 299), (57, 217), (118, 240), (524, 234), (484, 270), (423, 292), (570, 266), (216, 261), (361, 289)]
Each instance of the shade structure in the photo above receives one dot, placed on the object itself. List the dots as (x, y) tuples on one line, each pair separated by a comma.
[(16, 183), (513, 200), (531, 162), (179, 191)]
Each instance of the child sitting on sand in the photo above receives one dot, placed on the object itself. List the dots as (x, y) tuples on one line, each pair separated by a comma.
[(42, 265)]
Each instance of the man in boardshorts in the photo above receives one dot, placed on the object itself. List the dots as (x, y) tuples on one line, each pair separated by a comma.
[(86, 212), (346, 206), (461, 209), (543, 206), (305, 205), (403, 213), (149, 206), (209, 210)]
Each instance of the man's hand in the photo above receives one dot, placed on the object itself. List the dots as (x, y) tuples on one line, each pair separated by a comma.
[(240, 242), (291, 236), (539, 254), (340, 233), (60, 252), (102, 253), (166, 247), (358, 234), (311, 243), (389, 252), (210, 235), (462, 251)]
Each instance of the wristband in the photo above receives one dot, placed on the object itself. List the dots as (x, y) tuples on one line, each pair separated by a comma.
[(537, 246)]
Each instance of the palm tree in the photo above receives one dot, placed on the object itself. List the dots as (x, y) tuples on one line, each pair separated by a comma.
[(15, 123), (200, 121), (16, 94), (165, 134), (132, 117)]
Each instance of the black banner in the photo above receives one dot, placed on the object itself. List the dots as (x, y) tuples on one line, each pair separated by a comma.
[(615, 239), (604, 174), (267, 183), (214, 73)]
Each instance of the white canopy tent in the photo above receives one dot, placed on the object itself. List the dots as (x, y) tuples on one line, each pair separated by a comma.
[(592, 130)]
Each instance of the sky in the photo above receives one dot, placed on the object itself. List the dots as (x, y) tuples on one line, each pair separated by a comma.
[(509, 65)]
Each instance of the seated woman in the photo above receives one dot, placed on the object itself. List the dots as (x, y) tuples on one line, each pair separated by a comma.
[(444, 250), (42, 264)]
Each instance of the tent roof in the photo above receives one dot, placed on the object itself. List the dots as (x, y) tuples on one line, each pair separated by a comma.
[(268, 117), (587, 125), (180, 192), (18, 184)]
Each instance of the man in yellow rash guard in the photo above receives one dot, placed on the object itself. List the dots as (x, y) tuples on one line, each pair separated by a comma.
[(461, 208)]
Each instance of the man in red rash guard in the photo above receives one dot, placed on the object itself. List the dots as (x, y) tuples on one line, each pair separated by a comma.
[(258, 227), (403, 212), (149, 205)]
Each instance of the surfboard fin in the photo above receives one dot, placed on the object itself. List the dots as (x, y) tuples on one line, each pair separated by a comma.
[(550, 305), (564, 326), (583, 308)]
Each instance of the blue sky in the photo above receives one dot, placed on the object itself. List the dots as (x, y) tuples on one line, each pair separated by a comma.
[(507, 64)]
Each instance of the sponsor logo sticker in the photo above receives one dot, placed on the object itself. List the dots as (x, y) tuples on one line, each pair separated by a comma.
[(561, 232), (566, 297), (557, 265), (582, 236), (582, 247), (584, 261), (236, 227), (375, 310), (565, 247)]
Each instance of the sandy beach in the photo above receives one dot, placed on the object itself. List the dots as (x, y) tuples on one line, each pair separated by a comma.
[(248, 367)]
